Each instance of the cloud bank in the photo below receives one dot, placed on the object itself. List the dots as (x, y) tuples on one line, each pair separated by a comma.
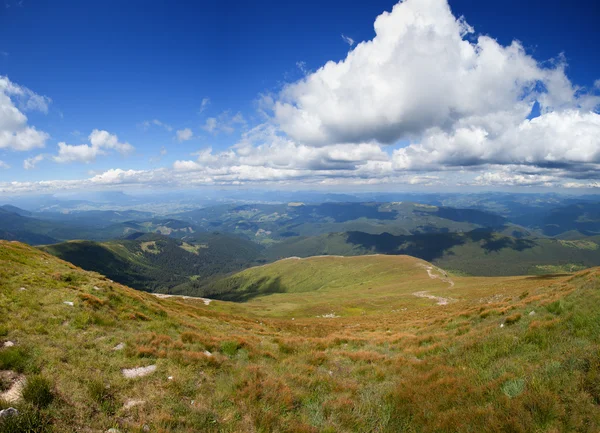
[(427, 101)]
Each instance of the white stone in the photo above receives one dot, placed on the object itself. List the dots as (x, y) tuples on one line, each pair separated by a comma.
[(131, 373)]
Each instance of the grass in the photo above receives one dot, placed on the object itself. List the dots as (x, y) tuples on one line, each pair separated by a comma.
[(406, 364), (38, 391)]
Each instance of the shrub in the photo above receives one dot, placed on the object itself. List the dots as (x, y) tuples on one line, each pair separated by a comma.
[(38, 391)]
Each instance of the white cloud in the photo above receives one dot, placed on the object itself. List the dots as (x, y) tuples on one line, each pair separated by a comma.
[(553, 139), (4, 165), (225, 122), (115, 176), (419, 72), (348, 39), (204, 105), (101, 143), (146, 124), (15, 134), (184, 134), (31, 163), (210, 125)]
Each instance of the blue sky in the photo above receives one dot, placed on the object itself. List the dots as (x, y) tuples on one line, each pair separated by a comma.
[(225, 73)]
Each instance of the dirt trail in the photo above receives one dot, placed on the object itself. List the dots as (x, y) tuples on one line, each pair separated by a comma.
[(439, 300), (165, 296), (444, 277)]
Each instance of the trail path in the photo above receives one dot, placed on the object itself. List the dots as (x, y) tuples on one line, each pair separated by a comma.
[(165, 296), (444, 277)]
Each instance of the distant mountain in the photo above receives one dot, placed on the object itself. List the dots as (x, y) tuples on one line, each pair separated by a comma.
[(13, 209), (583, 218), (266, 223)]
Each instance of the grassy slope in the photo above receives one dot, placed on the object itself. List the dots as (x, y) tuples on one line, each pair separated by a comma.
[(166, 264), (473, 253), (423, 368)]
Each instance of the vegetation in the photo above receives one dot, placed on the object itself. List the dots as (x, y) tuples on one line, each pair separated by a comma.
[(479, 252), (153, 262), (507, 354)]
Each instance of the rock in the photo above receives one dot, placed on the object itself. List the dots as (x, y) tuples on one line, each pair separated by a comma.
[(113, 430), (170, 378), (207, 353), (8, 344), (97, 288), (11, 411), (133, 403), (131, 373), (22, 289), (146, 428), (502, 325), (532, 313), (69, 303), (119, 346)]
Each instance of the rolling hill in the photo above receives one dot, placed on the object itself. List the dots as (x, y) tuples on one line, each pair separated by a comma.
[(479, 252), (504, 354)]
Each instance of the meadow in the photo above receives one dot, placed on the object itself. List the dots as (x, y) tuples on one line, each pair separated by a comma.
[(506, 354)]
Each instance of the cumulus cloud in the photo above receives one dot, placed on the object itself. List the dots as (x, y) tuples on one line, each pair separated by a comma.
[(101, 143), (457, 107), (264, 148), (554, 139), (184, 134), (15, 133), (420, 72)]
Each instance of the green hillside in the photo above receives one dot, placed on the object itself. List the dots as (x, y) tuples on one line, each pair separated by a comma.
[(505, 354), (152, 262), (479, 252)]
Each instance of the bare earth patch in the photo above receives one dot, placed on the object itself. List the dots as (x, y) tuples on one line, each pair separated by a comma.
[(165, 296), (16, 383)]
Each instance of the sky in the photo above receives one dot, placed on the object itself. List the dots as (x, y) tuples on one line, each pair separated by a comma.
[(420, 94)]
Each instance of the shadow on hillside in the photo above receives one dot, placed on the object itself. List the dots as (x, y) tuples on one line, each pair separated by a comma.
[(547, 276), (432, 246), (424, 246), (262, 287), (491, 242)]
